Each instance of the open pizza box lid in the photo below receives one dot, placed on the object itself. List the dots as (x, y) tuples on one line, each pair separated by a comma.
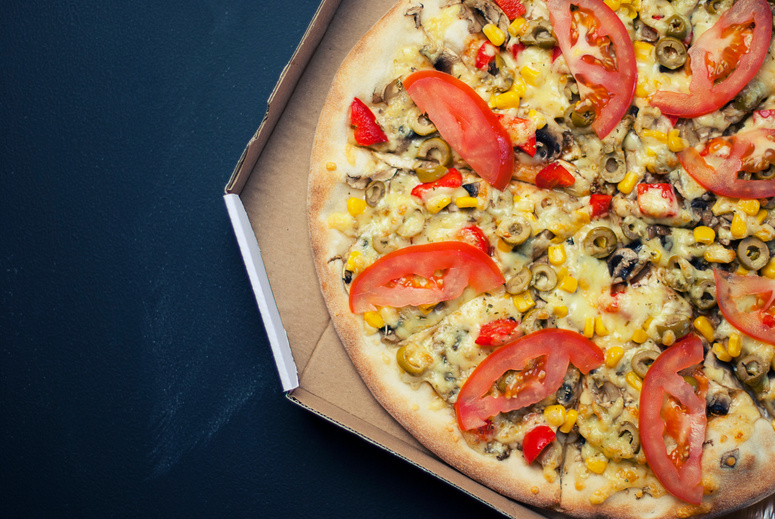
[(266, 199)]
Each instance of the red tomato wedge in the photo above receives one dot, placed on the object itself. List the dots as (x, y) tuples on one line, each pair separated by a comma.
[(599, 53), (722, 60), (670, 407), (498, 332), (466, 123), (552, 348), (755, 322), (536, 440), (743, 152), (367, 131), (444, 270)]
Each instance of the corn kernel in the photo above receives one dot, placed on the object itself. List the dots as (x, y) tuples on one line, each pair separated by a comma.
[(504, 247), (426, 309), (331, 166), (600, 328), (656, 256), (655, 134), (613, 355), (738, 228), (589, 327), (355, 206), (642, 88), (628, 183), (643, 50), (555, 415), (569, 284), (466, 201), (505, 100), (721, 353), (597, 465), (524, 301), (437, 203), (769, 270), (647, 323), (723, 205), (640, 336), (735, 345), (703, 325), (668, 338), (355, 262), (516, 25), (749, 206), (538, 118), (560, 311), (630, 11), (704, 234), (494, 34), (634, 381), (674, 141), (556, 254), (715, 253), (519, 86), (570, 420), (530, 75), (765, 234), (742, 271), (761, 216), (374, 319), (340, 221)]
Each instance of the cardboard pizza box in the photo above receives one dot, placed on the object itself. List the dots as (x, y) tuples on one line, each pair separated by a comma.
[(266, 197)]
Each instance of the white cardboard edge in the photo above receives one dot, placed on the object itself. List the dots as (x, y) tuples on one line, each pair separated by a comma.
[(267, 306)]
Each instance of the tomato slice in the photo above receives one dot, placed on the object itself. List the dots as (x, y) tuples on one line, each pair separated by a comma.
[(536, 440), (367, 131), (722, 60), (670, 407), (748, 151), (757, 322), (498, 332), (552, 348), (466, 123), (599, 53), (444, 269)]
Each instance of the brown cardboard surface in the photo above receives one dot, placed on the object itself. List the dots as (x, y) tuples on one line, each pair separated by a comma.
[(271, 179)]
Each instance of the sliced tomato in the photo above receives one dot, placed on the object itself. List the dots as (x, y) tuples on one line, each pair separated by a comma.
[(451, 179), (554, 175), (536, 440), (444, 270), (669, 406), (749, 151), (599, 53), (600, 204), (473, 235), (512, 8), (722, 60), (657, 200), (757, 322), (498, 332), (466, 123), (551, 348), (367, 130)]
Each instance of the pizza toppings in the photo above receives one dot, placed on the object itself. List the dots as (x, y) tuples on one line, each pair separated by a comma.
[(466, 122), (498, 332), (554, 175), (672, 418), (536, 440), (746, 302), (367, 131), (722, 60), (657, 200), (422, 275), (541, 359)]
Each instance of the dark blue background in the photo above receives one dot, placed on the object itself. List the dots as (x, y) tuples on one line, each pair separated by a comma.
[(135, 376)]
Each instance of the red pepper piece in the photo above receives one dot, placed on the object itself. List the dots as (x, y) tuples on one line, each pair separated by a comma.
[(556, 52), (497, 333), (512, 8), (600, 204), (554, 175), (367, 131), (453, 178), (657, 200), (485, 55), (516, 49), (536, 440), (530, 146), (473, 235)]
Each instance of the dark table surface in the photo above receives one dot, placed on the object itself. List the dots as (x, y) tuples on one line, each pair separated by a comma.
[(135, 375)]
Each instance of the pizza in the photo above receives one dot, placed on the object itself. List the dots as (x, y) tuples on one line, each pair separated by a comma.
[(544, 233)]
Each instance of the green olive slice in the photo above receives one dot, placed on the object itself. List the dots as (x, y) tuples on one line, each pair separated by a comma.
[(544, 277), (677, 27), (413, 359), (642, 361), (430, 172), (751, 369), (703, 294), (539, 32), (435, 149), (600, 242), (374, 192), (419, 122), (538, 319), (519, 282), (753, 253), (614, 167), (671, 53), (765, 174), (679, 274), (751, 95), (583, 115), (514, 230)]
